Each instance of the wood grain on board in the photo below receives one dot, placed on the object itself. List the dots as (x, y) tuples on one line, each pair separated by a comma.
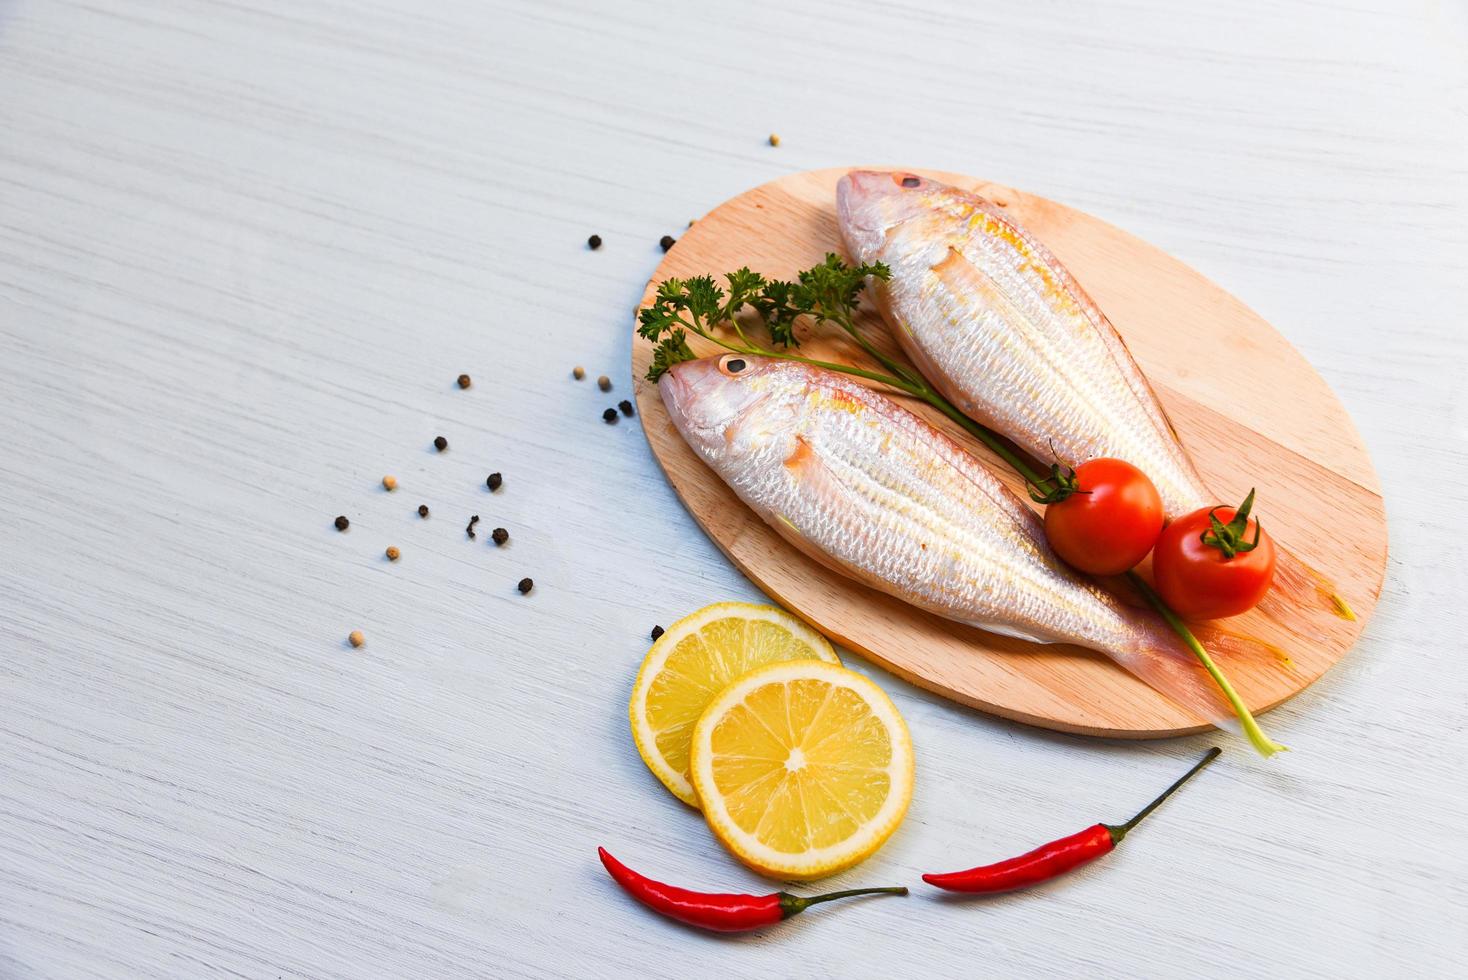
[(1248, 406)]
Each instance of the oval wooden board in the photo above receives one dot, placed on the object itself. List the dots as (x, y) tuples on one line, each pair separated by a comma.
[(1266, 406)]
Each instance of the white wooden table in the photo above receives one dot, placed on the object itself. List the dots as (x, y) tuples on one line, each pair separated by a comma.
[(246, 248)]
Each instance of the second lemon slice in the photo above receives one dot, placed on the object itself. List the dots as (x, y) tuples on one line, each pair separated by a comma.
[(802, 768), (692, 662)]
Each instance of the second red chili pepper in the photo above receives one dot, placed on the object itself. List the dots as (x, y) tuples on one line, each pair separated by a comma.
[(720, 912), (1057, 857)]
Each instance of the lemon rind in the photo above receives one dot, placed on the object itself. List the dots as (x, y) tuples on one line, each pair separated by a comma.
[(642, 733), (833, 858)]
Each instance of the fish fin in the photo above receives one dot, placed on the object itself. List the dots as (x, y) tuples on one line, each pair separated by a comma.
[(1226, 644), (1141, 385), (1298, 587), (806, 465), (1012, 632), (802, 458)]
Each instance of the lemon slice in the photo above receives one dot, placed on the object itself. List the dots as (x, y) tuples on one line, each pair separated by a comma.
[(803, 768), (692, 662)]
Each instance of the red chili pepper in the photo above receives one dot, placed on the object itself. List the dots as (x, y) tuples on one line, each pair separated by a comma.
[(1057, 857), (720, 912)]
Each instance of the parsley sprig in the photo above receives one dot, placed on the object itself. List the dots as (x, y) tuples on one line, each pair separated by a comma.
[(830, 293), (826, 293)]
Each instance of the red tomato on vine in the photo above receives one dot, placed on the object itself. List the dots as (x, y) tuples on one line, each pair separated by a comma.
[(1214, 562), (1110, 520)]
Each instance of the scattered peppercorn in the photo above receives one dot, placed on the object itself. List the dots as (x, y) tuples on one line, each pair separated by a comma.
[(464, 381), (393, 553), (525, 586), (440, 443), (774, 139), (657, 631), (342, 523), (470, 529), (667, 242), (594, 242), (422, 510), (355, 638), (499, 535), (494, 481), (626, 407), (609, 416), (389, 483), (578, 372), (604, 383)]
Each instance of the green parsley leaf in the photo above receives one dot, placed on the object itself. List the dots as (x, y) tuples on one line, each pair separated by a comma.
[(673, 349)]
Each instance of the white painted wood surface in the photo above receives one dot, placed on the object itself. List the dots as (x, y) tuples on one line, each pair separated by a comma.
[(245, 249)]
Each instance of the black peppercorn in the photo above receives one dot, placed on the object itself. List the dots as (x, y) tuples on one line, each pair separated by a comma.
[(667, 242), (342, 523), (440, 443), (499, 536), (609, 416), (657, 631), (626, 407), (422, 510), (525, 586), (594, 242), (494, 481), (464, 381)]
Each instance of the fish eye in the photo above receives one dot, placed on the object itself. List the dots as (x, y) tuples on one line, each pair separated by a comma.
[(732, 364), (909, 180)]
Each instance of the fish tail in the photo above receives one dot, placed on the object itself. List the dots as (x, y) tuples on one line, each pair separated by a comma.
[(1169, 668), (1298, 587)]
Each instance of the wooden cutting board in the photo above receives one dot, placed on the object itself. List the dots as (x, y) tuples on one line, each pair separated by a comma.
[(1248, 406)]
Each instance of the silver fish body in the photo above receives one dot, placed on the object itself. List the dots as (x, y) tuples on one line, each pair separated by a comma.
[(998, 325), (861, 484), (1001, 328)]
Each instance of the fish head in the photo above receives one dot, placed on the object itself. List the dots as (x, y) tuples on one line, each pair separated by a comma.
[(870, 203), (726, 405)]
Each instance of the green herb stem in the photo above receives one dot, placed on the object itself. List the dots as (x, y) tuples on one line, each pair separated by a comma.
[(1262, 743), (891, 364)]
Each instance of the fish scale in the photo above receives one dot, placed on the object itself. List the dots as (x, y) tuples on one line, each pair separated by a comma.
[(866, 487), (998, 325), (994, 321)]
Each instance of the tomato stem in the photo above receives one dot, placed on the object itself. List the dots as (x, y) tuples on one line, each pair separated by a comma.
[(1229, 538), (1262, 743)]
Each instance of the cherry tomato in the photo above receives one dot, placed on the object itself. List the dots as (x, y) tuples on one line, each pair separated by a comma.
[(1109, 526), (1196, 575)]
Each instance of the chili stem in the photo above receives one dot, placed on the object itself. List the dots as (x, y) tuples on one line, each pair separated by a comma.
[(1262, 743), (1118, 832), (851, 893)]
